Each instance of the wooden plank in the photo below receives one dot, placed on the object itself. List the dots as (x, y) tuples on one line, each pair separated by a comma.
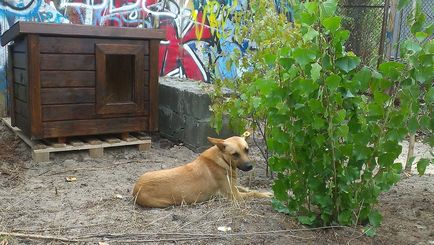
[(53, 79), (391, 24), (22, 122), (130, 138), (20, 60), (145, 147), (68, 112), (71, 45), (96, 153), (20, 45), (110, 139), (153, 86), (20, 76), (68, 62), (77, 112), (124, 135), (141, 136), (34, 86), (102, 145), (40, 157), (40, 148), (18, 131), (21, 108), (20, 92), (51, 96), (146, 63), (10, 85), (94, 127), (21, 28), (76, 143), (147, 96), (146, 74), (94, 141)]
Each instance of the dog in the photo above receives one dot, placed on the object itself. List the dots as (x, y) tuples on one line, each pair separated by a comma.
[(211, 174)]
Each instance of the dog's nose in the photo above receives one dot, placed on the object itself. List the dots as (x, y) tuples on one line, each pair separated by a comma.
[(245, 167)]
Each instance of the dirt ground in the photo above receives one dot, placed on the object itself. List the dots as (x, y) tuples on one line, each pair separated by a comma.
[(38, 205)]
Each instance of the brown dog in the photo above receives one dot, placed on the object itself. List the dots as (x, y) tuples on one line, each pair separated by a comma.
[(212, 173)]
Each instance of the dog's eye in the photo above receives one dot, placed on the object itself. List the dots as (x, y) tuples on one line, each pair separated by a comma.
[(246, 150), (236, 154)]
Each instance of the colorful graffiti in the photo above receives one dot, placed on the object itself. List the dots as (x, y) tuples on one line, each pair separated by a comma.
[(194, 48)]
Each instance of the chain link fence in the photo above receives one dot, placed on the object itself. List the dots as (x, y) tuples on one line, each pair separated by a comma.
[(365, 19), (402, 30)]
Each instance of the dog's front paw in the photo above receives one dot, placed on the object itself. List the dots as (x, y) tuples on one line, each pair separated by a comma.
[(267, 194)]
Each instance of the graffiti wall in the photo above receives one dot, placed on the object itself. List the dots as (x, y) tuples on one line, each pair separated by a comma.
[(195, 47)]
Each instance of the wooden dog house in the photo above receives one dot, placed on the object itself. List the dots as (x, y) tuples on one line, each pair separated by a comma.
[(71, 80)]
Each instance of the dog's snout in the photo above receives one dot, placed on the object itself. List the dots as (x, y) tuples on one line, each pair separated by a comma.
[(245, 167)]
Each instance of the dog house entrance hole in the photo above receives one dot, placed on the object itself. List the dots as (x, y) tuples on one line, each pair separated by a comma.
[(120, 78)]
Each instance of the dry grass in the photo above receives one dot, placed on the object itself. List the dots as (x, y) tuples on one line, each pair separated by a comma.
[(38, 206)]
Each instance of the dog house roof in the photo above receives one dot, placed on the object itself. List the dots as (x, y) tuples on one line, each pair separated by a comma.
[(21, 28)]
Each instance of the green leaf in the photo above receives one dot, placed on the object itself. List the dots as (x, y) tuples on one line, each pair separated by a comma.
[(333, 81), (380, 97), (375, 109), (375, 218), (363, 77), (418, 21), (342, 131), (303, 56), (311, 7), (305, 86), (412, 125), (279, 206), (318, 123), (402, 4), (391, 69), (256, 101), (280, 188), (344, 217), (328, 8), (370, 231), (315, 71), (286, 62), (421, 36), (265, 85), (340, 37), (410, 47), (315, 105), (429, 96), (424, 122), (308, 18), (310, 34), (422, 164), (348, 63), (340, 116), (307, 220), (332, 24), (270, 59)]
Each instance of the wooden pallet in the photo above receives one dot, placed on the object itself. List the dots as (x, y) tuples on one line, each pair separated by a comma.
[(41, 149)]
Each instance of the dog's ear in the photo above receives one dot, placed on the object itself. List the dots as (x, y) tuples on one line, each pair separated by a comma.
[(245, 135), (218, 142)]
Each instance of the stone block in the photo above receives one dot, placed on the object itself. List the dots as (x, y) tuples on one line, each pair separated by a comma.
[(184, 113)]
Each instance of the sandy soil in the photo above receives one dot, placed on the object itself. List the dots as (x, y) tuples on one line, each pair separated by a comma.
[(36, 200)]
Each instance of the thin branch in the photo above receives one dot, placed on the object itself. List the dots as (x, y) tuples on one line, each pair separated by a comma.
[(410, 153)]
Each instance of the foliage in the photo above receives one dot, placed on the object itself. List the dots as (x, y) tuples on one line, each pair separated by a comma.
[(332, 126)]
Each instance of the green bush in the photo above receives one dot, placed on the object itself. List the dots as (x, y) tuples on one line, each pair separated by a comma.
[(332, 127)]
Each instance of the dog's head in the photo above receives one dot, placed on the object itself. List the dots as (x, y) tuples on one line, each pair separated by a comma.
[(235, 151)]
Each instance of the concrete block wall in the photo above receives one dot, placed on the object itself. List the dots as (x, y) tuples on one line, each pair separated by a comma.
[(184, 113)]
